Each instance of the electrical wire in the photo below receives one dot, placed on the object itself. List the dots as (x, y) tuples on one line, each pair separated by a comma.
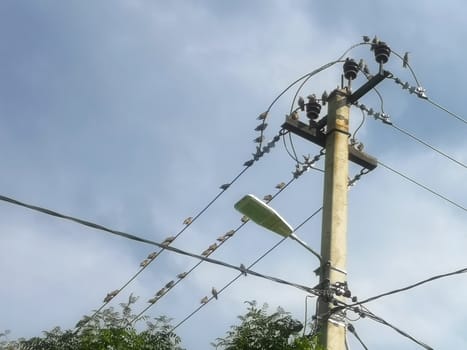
[(354, 136), (420, 92), (143, 240), (457, 116), (224, 188), (351, 182), (352, 330), (421, 185), (408, 66), (373, 317), (249, 267), (385, 119), (306, 313), (280, 190), (428, 145), (411, 286)]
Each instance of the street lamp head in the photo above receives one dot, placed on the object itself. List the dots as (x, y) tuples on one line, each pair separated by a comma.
[(262, 214)]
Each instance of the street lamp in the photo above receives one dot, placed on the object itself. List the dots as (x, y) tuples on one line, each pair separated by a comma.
[(262, 214)]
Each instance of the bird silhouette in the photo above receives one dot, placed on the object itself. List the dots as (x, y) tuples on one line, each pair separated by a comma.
[(204, 300), (152, 300), (224, 186), (213, 246), (243, 269), (280, 185), (170, 284), (244, 218), (294, 115), (206, 252), (366, 38), (152, 256), (324, 97), (214, 293), (182, 275), (230, 233), (144, 263), (221, 238), (366, 70), (188, 220), (168, 240), (405, 60), (262, 116), (301, 103), (161, 292), (267, 197)]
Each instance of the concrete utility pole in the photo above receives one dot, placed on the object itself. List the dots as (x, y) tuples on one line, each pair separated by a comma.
[(332, 132), (334, 225)]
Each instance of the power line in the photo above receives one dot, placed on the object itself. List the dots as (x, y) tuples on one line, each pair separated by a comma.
[(422, 186), (455, 115), (421, 93), (154, 255), (429, 146), (414, 285), (352, 330), (351, 183), (281, 188), (147, 241), (372, 316), (386, 120), (249, 267)]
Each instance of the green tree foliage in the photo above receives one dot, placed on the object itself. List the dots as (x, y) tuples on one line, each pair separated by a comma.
[(108, 330), (260, 330)]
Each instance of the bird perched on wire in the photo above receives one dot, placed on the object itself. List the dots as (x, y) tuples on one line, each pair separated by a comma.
[(230, 233), (244, 218), (152, 256), (224, 186), (182, 275), (152, 300), (214, 293), (243, 269), (168, 240), (110, 295), (170, 284), (221, 238), (280, 186), (301, 103), (267, 198), (213, 246), (144, 263), (207, 252), (405, 60), (188, 220), (204, 300), (161, 292), (263, 116)]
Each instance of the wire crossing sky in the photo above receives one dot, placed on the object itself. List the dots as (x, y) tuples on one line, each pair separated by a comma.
[(136, 115)]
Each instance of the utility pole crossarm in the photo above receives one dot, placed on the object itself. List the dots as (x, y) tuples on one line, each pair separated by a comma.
[(315, 135)]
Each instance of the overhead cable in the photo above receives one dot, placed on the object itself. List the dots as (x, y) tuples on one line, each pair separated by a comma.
[(422, 186), (372, 316), (280, 188), (206, 301)]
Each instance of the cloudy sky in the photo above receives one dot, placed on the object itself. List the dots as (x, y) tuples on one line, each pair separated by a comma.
[(132, 113)]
